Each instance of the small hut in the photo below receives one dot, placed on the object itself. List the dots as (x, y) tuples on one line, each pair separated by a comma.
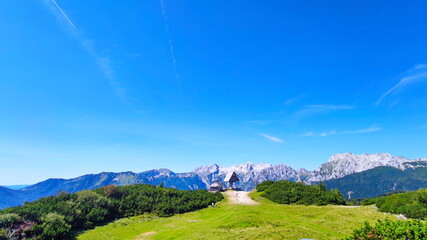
[(231, 178), (215, 187)]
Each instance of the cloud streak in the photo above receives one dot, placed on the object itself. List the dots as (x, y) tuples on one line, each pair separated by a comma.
[(325, 107), (65, 15), (415, 74), (345, 132), (260, 122), (103, 62), (321, 109), (171, 48), (271, 138)]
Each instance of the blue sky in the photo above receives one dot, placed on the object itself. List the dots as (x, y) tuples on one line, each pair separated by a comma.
[(96, 86)]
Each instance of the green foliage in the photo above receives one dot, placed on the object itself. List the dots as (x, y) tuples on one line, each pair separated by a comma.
[(380, 181), (3, 234), (55, 217), (411, 204), (287, 192), (421, 196), (397, 230), (55, 227), (8, 219), (368, 201), (264, 185), (353, 202), (12, 226)]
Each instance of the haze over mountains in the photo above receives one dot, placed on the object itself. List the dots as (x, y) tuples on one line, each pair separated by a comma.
[(337, 168)]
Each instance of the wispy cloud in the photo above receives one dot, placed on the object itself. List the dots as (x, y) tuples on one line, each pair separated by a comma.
[(260, 122), (289, 101), (171, 48), (333, 132), (327, 133), (103, 62), (308, 134), (292, 100), (321, 108), (326, 107), (394, 103), (415, 74), (271, 138)]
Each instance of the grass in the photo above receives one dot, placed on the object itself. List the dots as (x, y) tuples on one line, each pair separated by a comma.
[(267, 220)]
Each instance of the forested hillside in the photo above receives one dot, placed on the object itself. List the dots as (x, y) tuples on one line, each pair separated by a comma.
[(379, 181), (60, 216)]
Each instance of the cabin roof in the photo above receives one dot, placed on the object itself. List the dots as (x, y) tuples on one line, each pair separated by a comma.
[(231, 177), (215, 184)]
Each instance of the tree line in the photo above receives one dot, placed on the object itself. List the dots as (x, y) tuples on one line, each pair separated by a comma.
[(59, 217)]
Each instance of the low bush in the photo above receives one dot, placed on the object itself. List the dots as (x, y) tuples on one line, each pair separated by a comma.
[(411, 204), (264, 185), (287, 192), (396, 230)]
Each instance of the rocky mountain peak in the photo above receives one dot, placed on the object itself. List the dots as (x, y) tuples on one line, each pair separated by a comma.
[(207, 169), (342, 164)]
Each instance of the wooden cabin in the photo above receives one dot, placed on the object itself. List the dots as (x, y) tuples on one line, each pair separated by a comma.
[(231, 178), (216, 186)]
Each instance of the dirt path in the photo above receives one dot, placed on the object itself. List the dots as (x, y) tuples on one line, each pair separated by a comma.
[(239, 197), (145, 235)]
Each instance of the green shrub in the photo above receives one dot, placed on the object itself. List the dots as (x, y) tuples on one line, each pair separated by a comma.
[(368, 201), (396, 230), (287, 192), (421, 196), (55, 227), (8, 219), (264, 185), (411, 204), (3, 234)]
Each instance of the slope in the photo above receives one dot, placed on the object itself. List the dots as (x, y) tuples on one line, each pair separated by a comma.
[(266, 220), (380, 180)]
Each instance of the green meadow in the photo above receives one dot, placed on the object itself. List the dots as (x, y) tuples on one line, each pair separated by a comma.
[(266, 220)]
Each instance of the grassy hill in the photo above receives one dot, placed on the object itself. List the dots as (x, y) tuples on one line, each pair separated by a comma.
[(266, 220)]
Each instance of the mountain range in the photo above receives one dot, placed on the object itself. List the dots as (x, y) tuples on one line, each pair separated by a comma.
[(340, 171)]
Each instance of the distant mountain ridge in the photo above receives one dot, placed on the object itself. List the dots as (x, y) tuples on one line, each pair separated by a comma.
[(340, 165), (250, 174), (16, 187)]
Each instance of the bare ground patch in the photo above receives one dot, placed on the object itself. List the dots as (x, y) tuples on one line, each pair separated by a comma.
[(240, 197), (145, 235)]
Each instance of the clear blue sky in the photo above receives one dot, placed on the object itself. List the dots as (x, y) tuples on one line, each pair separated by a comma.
[(91, 86)]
